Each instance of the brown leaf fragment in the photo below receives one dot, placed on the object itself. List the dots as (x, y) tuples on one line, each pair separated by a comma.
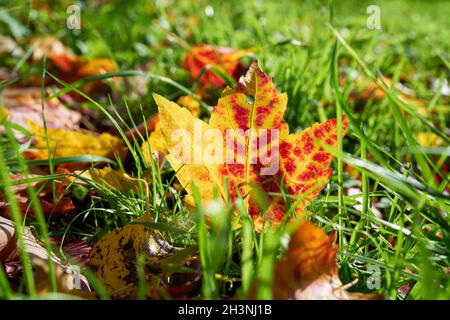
[(67, 280), (309, 270)]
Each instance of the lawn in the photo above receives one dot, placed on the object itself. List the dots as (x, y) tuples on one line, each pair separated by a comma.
[(94, 204)]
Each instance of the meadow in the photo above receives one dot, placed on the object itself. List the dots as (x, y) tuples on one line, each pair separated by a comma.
[(85, 177)]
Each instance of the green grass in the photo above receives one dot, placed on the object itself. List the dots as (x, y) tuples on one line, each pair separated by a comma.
[(306, 47)]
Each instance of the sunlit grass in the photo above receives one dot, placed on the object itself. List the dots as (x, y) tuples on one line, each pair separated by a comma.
[(315, 52)]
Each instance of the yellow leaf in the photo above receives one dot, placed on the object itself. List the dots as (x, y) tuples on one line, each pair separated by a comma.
[(110, 178), (4, 113), (96, 66), (156, 141), (179, 121), (64, 143), (429, 139)]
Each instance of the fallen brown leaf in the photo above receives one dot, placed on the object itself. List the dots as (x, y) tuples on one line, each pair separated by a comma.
[(309, 270), (9, 251)]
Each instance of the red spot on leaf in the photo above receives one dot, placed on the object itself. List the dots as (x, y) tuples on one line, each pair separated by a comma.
[(305, 176), (321, 157), (241, 114), (308, 144), (295, 189), (285, 149), (314, 169), (318, 133), (298, 151), (329, 125), (289, 166)]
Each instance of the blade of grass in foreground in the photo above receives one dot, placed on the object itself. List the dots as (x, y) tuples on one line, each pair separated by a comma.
[(209, 284), (247, 262), (341, 207), (5, 289), (34, 198), (86, 158), (103, 76), (266, 264), (17, 219)]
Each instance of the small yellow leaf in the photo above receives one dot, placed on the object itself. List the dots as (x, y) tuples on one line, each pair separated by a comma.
[(4, 113), (429, 139)]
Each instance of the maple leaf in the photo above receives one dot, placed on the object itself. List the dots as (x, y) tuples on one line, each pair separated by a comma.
[(154, 148), (224, 59), (190, 103), (309, 270), (54, 50), (64, 143), (299, 163), (156, 141)]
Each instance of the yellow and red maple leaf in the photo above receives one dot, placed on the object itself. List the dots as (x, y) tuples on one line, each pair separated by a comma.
[(224, 59), (263, 152)]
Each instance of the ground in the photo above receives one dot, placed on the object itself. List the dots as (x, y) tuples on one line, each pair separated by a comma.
[(384, 65)]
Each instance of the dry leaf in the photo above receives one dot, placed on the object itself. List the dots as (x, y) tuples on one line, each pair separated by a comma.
[(57, 204), (25, 104), (71, 67), (54, 50), (225, 59), (9, 251), (309, 270), (366, 89), (114, 260), (299, 163), (64, 143)]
